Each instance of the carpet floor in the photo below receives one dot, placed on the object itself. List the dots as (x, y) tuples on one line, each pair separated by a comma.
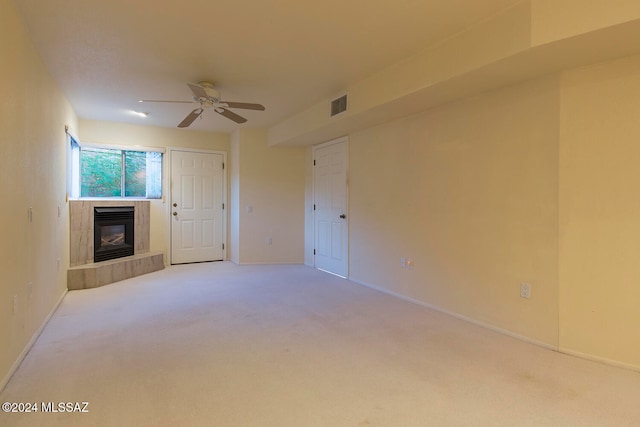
[(217, 344)]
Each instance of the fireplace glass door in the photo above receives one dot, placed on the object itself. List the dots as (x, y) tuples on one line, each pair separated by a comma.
[(114, 234)]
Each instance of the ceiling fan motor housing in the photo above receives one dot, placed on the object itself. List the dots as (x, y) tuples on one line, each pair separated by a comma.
[(210, 91)]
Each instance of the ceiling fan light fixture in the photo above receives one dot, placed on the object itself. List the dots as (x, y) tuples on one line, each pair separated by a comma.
[(210, 90), (207, 96)]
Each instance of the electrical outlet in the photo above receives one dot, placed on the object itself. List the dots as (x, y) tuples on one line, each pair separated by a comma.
[(30, 289), (269, 241), (525, 290), (15, 304), (410, 264), (403, 262), (58, 264)]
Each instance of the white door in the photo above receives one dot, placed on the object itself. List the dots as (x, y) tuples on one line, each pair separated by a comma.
[(330, 205), (197, 210)]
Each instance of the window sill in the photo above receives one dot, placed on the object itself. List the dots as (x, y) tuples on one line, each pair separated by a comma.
[(117, 199)]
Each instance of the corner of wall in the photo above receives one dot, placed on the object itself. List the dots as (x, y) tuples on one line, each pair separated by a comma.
[(271, 200)]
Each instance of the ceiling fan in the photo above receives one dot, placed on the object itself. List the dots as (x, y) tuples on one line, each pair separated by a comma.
[(208, 97)]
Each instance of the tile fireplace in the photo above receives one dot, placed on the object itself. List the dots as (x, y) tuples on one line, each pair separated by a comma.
[(114, 227)]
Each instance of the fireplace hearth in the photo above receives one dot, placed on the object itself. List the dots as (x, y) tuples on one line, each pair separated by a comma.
[(113, 232), (84, 272)]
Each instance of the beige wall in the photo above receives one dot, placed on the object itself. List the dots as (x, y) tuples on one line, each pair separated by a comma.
[(111, 133), (557, 19), (469, 191), (537, 183), (234, 202), (534, 182), (270, 180), (422, 74), (271, 183), (600, 211), (33, 114), (531, 39), (527, 182)]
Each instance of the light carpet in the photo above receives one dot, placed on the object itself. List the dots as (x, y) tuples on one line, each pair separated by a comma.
[(217, 344)]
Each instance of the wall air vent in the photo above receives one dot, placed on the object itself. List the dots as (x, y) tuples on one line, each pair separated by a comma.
[(339, 105)]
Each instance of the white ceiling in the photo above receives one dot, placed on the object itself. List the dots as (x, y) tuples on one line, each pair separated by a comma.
[(285, 54)]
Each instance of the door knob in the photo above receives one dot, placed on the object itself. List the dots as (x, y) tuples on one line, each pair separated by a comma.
[(175, 214), (175, 205), (343, 216)]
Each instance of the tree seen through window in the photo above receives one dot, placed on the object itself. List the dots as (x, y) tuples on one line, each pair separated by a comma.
[(118, 173)]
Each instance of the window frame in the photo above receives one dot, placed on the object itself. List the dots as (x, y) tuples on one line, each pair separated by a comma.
[(74, 185)]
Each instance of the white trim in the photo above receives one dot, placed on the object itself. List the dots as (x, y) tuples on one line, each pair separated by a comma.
[(599, 359), (332, 273), (196, 150), (225, 180), (267, 263), (142, 148), (30, 344), (559, 349), (73, 171), (72, 165), (342, 139), (71, 133), (166, 200), (458, 316), (115, 199)]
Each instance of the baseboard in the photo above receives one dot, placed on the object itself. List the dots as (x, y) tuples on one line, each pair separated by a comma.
[(268, 263), (564, 350), (458, 316), (256, 263), (599, 359), (32, 341)]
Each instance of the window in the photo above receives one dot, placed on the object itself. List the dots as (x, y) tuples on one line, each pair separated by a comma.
[(113, 172)]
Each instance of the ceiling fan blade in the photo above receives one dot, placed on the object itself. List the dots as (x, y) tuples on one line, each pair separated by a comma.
[(198, 91), (160, 100), (245, 105), (230, 115), (190, 118)]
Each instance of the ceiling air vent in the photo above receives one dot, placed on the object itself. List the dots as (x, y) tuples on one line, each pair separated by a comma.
[(339, 105)]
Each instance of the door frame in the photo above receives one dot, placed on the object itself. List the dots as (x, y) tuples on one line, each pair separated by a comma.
[(169, 187), (316, 147)]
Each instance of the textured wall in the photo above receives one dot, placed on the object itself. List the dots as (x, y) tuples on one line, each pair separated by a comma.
[(600, 211), (33, 115), (271, 191), (469, 191)]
